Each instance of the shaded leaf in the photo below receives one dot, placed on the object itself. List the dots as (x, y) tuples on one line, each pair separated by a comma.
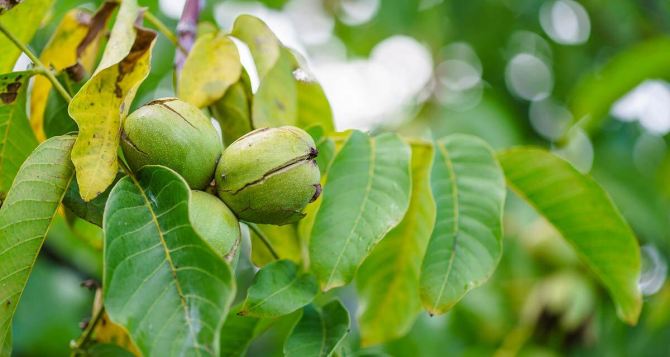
[(59, 53), (466, 243), (585, 216), (162, 282), (16, 137), (212, 66), (22, 21), (389, 278), (594, 95), (279, 288), (238, 332), (25, 217), (276, 101), (56, 119), (366, 194), (319, 331), (263, 44), (102, 103), (91, 211), (233, 111)]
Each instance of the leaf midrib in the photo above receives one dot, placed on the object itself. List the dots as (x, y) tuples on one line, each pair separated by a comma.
[(454, 192), (168, 258), (368, 189)]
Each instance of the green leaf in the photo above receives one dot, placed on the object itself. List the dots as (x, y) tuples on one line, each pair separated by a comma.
[(585, 216), (263, 44), (276, 101), (279, 288), (162, 282), (212, 66), (22, 21), (238, 332), (233, 111), (284, 240), (91, 211), (594, 95), (389, 278), (366, 194), (466, 243), (313, 106), (25, 217), (16, 137), (319, 331), (102, 103)]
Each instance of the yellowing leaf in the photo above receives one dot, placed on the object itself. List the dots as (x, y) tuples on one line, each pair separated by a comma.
[(102, 103), (60, 52), (211, 67), (263, 44), (22, 21)]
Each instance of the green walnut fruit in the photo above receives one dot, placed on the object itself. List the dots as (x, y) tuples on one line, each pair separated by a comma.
[(172, 133), (215, 223), (269, 175)]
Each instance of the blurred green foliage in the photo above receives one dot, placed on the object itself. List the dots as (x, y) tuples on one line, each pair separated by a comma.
[(541, 300)]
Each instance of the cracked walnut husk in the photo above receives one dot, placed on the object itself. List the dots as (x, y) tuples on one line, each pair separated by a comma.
[(269, 175)]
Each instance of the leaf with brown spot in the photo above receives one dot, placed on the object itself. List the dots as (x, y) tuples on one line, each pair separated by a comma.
[(16, 138), (60, 53), (124, 65)]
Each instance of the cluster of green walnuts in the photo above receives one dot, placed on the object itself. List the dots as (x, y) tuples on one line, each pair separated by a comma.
[(267, 176)]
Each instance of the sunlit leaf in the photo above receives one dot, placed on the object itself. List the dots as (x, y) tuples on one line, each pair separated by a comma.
[(212, 66), (263, 44), (233, 111), (162, 282), (389, 278), (319, 331), (466, 243), (102, 103), (594, 95), (366, 194), (284, 240), (25, 217), (313, 106), (585, 216), (276, 101), (279, 288), (59, 53), (22, 21), (16, 138)]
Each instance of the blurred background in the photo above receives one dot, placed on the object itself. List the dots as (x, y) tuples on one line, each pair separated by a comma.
[(510, 71)]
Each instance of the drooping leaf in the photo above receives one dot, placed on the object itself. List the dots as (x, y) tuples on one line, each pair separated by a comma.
[(466, 243), (389, 278), (212, 66), (366, 194), (233, 111), (585, 216), (59, 53), (22, 21), (16, 138), (162, 282), (279, 288), (319, 331), (594, 95), (284, 240), (25, 217), (276, 101), (263, 44), (102, 103)]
